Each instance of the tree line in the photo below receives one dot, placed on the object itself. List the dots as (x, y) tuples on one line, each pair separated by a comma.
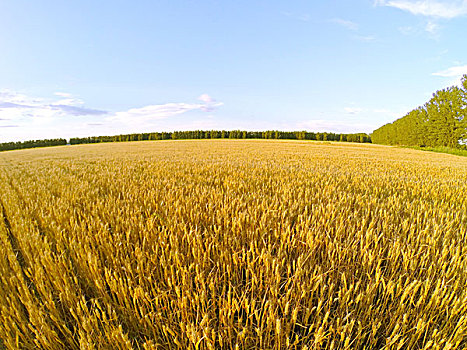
[(442, 121), (7, 146), (224, 134), (197, 134)]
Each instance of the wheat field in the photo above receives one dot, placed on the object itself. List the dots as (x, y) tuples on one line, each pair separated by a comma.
[(232, 244)]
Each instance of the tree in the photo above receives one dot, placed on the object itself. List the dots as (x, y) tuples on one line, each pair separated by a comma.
[(446, 117)]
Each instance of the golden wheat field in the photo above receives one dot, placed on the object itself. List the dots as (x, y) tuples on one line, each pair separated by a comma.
[(224, 244)]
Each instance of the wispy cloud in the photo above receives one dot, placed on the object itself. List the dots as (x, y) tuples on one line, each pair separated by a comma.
[(345, 23), (429, 8), (206, 98), (456, 71), (365, 38), (154, 112), (353, 27), (338, 126), (164, 111), (454, 74), (432, 28), (304, 17), (76, 111), (432, 10), (353, 110), (16, 106), (19, 105), (67, 116), (63, 94), (4, 105), (408, 30)]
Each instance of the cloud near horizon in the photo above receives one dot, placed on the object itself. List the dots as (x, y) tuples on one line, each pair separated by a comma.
[(67, 116), (337, 126), (14, 105)]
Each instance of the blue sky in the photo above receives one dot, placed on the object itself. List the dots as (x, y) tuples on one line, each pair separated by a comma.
[(81, 68)]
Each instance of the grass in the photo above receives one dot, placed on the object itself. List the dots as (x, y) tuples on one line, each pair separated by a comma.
[(232, 245), (440, 149)]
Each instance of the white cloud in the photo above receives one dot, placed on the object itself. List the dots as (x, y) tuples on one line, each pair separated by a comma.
[(24, 117), (365, 38), (433, 10), (10, 96), (68, 102), (432, 28), (206, 98), (353, 110), (429, 8), (63, 94), (154, 112), (163, 111), (353, 26), (337, 126), (18, 106), (453, 73), (345, 23), (456, 71), (408, 30)]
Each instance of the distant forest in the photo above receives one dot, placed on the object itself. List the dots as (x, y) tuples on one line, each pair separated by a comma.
[(197, 134), (223, 134), (7, 146), (442, 121)]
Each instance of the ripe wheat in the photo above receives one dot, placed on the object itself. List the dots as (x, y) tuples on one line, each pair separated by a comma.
[(232, 245)]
